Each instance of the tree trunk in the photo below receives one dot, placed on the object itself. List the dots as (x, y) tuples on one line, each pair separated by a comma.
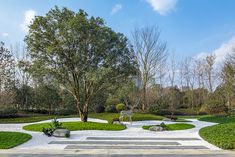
[(83, 113), (144, 98), (83, 116)]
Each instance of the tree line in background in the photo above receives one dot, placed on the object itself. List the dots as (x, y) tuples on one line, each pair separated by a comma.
[(75, 64)]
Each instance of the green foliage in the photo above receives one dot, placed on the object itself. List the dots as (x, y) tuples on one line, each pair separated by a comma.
[(99, 109), (110, 109), (192, 117), (163, 125), (73, 126), (7, 72), (31, 119), (48, 131), (47, 97), (163, 112), (120, 107), (154, 109), (214, 107), (55, 124), (112, 101), (218, 119), (79, 52), (180, 126), (25, 97), (67, 135), (221, 135), (172, 127), (104, 116), (12, 139), (8, 113), (64, 112)]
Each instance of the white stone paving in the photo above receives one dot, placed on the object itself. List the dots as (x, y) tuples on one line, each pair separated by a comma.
[(40, 141)]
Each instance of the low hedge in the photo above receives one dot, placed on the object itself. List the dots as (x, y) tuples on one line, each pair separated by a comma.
[(218, 119), (8, 113)]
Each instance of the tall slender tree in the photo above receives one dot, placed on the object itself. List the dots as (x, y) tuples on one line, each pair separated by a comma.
[(7, 74), (151, 52), (210, 60)]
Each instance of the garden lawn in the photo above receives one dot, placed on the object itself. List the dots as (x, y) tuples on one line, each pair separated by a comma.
[(104, 116), (73, 126), (32, 119), (172, 127), (218, 119), (136, 116), (12, 139), (221, 135), (193, 117)]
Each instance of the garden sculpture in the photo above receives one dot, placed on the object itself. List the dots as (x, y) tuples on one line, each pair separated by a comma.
[(128, 113)]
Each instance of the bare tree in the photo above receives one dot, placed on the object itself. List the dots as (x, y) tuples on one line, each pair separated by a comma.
[(172, 76), (210, 61), (172, 70), (200, 72), (188, 77), (20, 54), (200, 76), (151, 52)]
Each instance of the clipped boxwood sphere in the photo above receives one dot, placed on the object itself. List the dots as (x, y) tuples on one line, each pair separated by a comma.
[(120, 107)]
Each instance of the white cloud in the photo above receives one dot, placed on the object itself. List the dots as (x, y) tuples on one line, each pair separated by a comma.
[(221, 52), (163, 7), (29, 15), (116, 9), (5, 34)]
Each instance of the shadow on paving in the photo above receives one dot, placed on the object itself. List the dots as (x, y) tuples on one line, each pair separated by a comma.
[(129, 155)]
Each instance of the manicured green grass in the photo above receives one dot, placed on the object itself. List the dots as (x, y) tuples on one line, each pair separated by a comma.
[(31, 119), (104, 116), (193, 117), (218, 119), (221, 135), (136, 117), (172, 127), (12, 139), (73, 126)]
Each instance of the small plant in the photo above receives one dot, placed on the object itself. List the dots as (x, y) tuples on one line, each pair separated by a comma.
[(67, 135), (48, 131), (163, 125), (55, 124), (111, 109), (120, 107)]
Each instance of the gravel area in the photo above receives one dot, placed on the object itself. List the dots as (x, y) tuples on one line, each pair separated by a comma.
[(40, 141)]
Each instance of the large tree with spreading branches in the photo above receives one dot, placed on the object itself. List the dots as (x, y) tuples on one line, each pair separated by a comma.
[(79, 52)]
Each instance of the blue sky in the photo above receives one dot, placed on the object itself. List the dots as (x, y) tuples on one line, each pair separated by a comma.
[(191, 27)]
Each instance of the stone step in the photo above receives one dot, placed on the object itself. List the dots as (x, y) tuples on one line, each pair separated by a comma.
[(115, 143), (134, 147), (142, 138)]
